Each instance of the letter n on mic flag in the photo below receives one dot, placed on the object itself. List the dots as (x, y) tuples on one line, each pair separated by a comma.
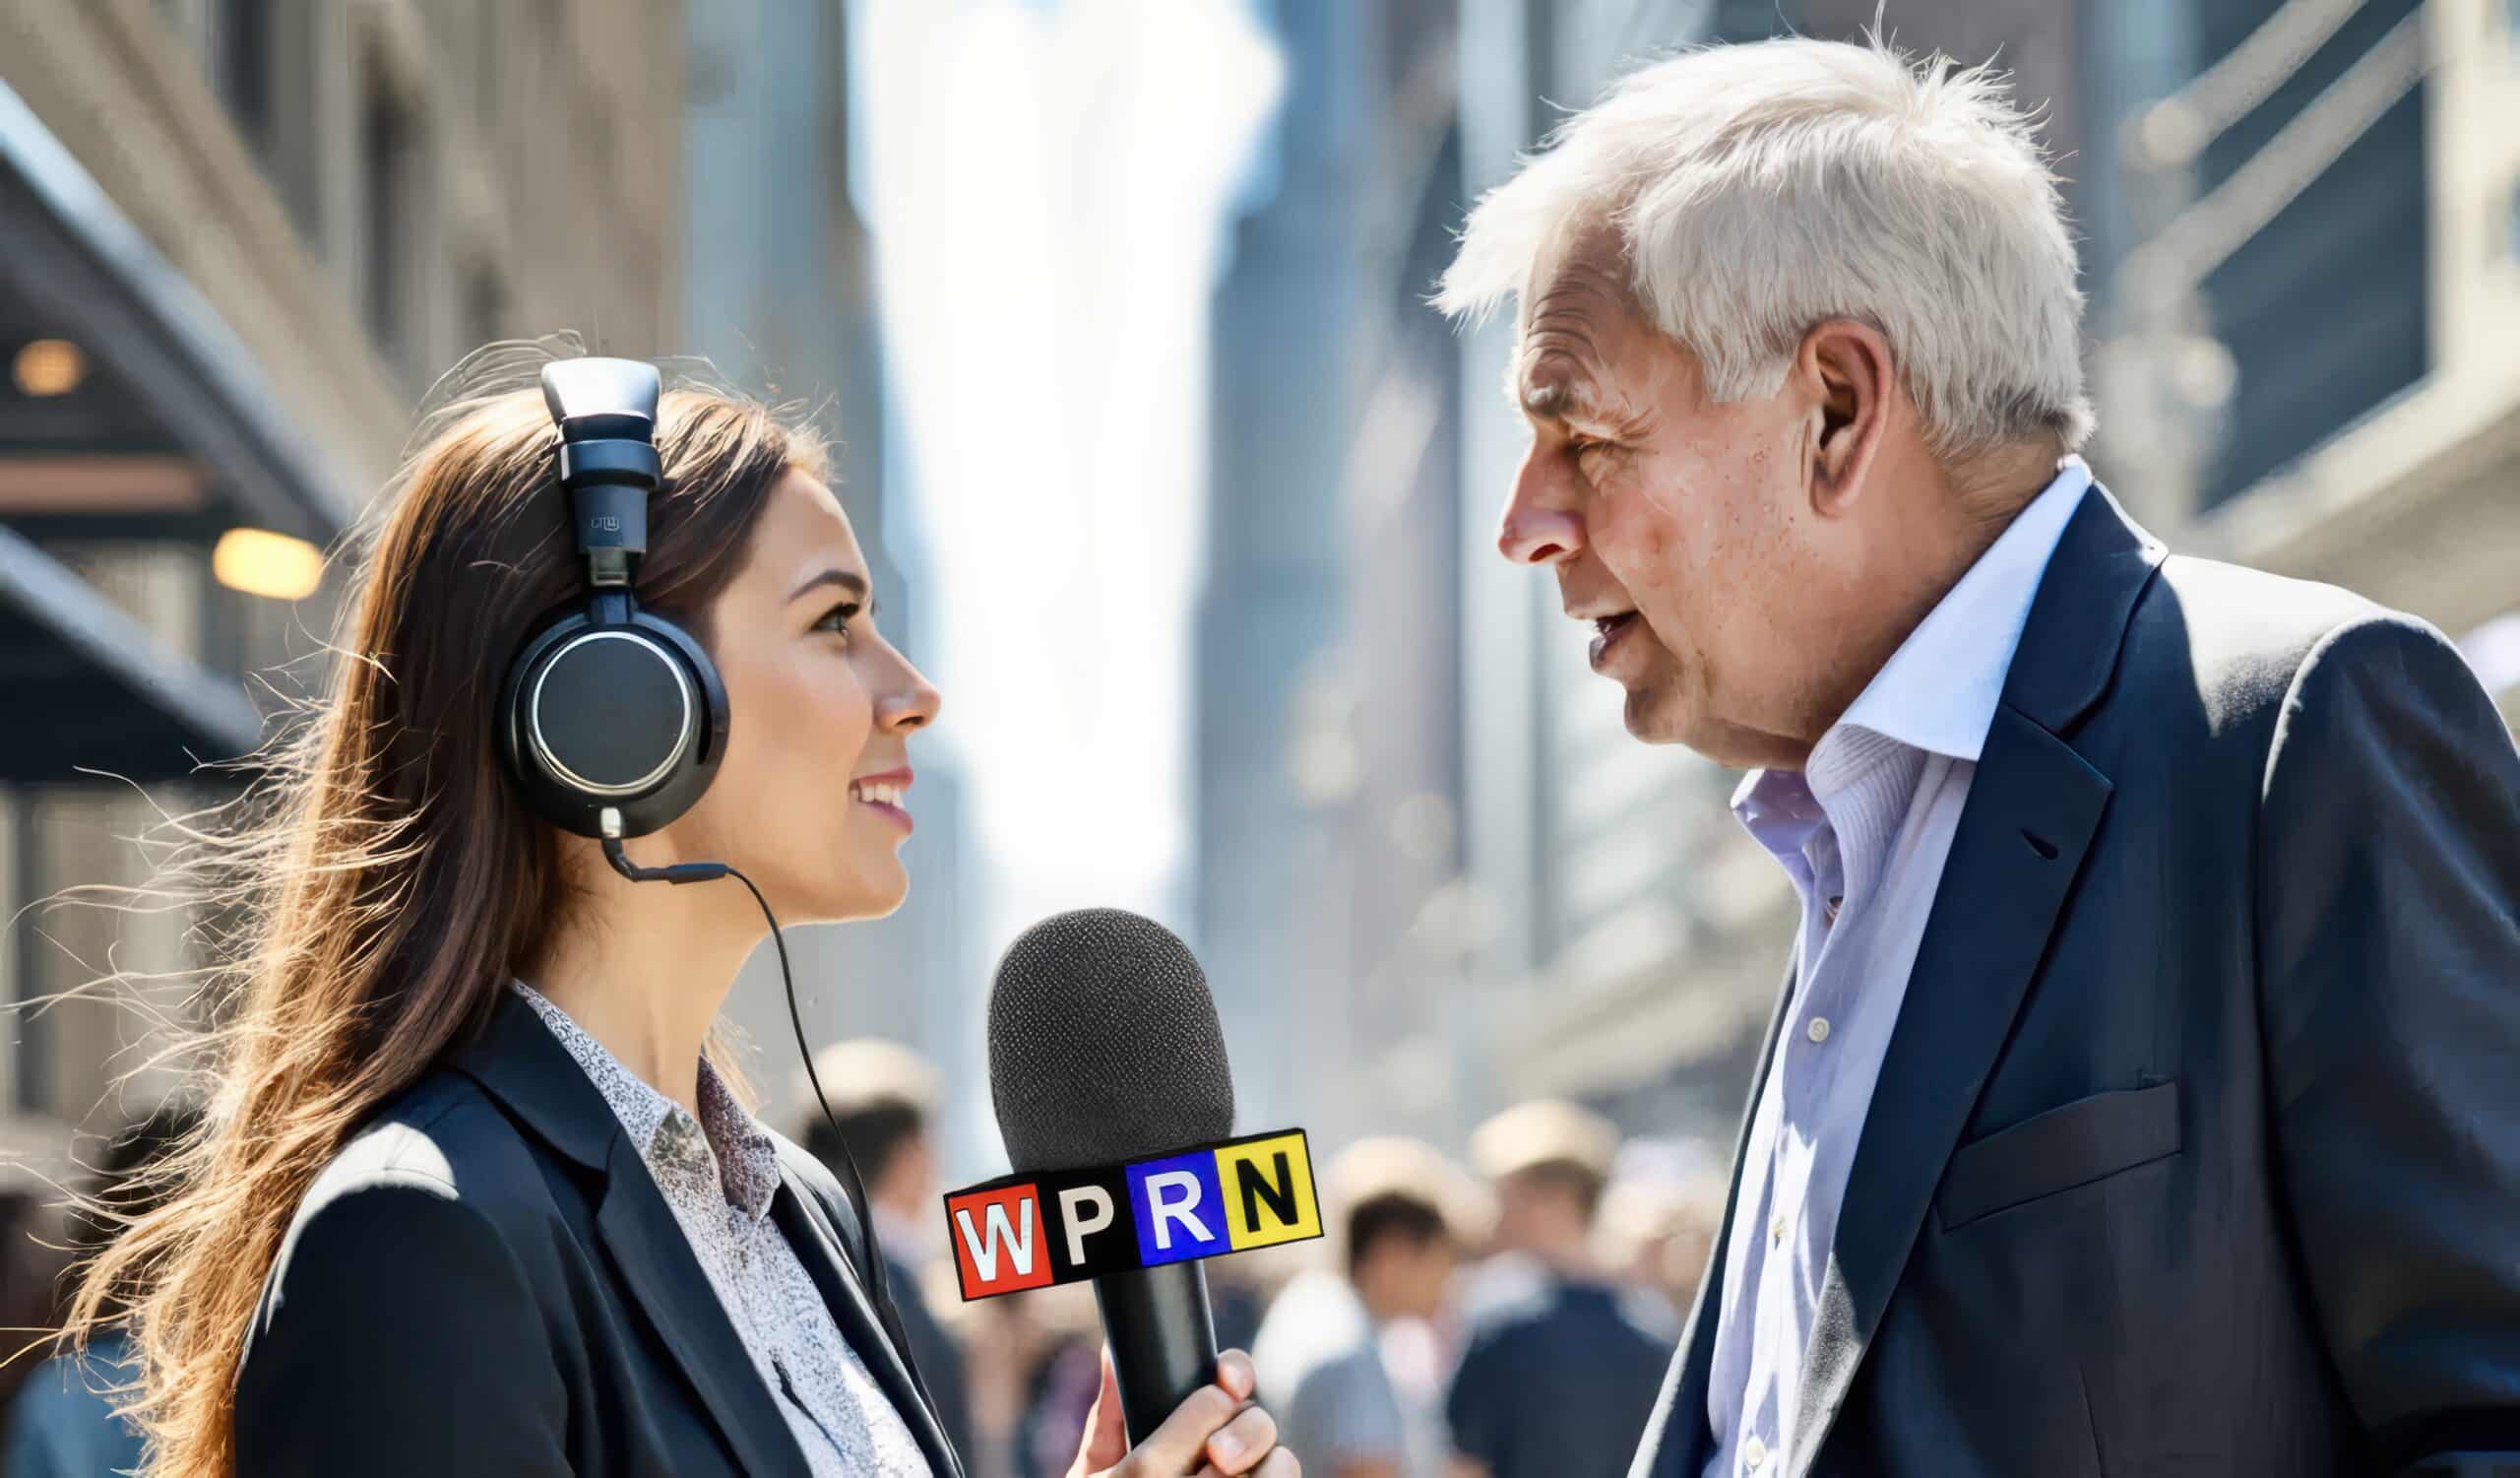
[(1030, 1231)]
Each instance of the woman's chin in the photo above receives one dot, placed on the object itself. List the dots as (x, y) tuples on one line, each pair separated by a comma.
[(876, 892)]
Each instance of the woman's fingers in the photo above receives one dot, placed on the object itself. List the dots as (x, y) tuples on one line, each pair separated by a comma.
[(1216, 1428), (1240, 1445), (1107, 1436), (1176, 1447), (1236, 1373)]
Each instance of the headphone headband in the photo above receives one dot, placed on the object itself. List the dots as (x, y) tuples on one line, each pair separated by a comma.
[(607, 412)]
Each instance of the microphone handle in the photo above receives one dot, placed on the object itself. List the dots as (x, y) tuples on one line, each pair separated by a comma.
[(1163, 1339)]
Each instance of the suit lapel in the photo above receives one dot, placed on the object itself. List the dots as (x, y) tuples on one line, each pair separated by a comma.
[(820, 1247), (522, 1065), (2034, 806), (656, 1261), (2032, 810)]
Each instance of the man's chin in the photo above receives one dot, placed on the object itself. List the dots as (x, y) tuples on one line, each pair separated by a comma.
[(1653, 716)]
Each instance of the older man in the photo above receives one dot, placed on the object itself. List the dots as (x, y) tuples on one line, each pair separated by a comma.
[(2144, 1094)]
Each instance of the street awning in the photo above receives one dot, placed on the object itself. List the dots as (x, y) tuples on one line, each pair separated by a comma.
[(89, 688), (68, 254), (172, 437)]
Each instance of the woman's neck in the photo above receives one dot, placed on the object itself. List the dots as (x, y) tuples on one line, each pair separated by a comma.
[(643, 970)]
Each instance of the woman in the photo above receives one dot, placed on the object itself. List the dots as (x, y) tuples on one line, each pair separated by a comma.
[(477, 1194)]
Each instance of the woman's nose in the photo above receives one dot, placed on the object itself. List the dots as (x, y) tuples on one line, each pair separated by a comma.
[(912, 702)]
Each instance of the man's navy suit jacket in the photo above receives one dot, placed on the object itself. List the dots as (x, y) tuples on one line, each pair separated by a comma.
[(2197, 1147)]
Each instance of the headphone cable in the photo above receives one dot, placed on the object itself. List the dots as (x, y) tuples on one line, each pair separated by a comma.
[(879, 1280)]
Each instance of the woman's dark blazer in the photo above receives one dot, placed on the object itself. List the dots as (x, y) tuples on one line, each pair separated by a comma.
[(486, 1281)]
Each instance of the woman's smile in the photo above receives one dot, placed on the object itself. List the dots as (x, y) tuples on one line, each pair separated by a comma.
[(882, 794)]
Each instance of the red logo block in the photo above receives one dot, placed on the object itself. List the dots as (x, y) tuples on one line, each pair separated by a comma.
[(999, 1242)]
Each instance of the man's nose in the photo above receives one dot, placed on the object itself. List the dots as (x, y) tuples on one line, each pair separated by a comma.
[(1536, 530)]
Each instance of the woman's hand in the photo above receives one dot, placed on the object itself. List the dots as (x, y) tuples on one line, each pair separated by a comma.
[(1218, 1432)]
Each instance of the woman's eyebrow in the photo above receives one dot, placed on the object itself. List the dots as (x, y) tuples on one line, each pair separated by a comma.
[(848, 580)]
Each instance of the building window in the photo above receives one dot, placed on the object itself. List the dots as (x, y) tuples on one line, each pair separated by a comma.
[(485, 306), (489, 70), (244, 46), (387, 157)]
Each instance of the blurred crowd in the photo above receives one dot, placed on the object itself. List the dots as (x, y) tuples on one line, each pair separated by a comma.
[(56, 1409), (1510, 1316)]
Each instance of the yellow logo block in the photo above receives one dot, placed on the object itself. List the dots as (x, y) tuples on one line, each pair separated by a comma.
[(1267, 1192)]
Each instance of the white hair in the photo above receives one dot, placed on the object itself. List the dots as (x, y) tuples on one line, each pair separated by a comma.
[(1760, 189)]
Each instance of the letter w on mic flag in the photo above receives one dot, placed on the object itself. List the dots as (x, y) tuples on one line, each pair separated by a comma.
[(1030, 1231)]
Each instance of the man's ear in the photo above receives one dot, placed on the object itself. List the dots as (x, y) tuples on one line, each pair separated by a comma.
[(1848, 369)]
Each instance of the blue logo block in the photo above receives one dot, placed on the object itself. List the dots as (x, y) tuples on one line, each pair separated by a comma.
[(1180, 1210)]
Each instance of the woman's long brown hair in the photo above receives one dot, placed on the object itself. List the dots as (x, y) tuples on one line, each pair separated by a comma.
[(382, 878)]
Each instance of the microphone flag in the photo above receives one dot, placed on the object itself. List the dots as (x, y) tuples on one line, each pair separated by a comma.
[(1035, 1229)]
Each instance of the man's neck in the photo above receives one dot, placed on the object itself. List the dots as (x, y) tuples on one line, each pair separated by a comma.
[(1941, 527)]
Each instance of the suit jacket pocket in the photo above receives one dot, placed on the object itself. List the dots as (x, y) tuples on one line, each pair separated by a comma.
[(2069, 1145)]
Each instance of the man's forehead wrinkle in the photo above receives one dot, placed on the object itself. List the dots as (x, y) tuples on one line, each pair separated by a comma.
[(1558, 378), (1563, 333)]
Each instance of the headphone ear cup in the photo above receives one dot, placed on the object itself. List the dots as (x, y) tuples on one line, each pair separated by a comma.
[(629, 716)]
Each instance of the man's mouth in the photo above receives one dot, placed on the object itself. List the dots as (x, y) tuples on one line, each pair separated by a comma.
[(1607, 632)]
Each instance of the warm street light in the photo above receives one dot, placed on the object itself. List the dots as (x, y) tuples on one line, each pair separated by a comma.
[(47, 368), (259, 562)]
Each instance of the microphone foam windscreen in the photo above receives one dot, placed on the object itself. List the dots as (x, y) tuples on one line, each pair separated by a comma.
[(1104, 1045)]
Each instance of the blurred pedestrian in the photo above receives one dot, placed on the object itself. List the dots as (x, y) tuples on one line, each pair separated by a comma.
[(1657, 1235), (1059, 1386), (62, 1422), (1560, 1373), (1374, 1408), (1314, 1316), (884, 1097), (29, 1261)]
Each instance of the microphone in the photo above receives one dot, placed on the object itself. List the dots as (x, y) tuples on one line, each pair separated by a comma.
[(1103, 1048)]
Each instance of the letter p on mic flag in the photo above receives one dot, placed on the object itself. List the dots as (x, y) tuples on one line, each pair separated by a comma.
[(1064, 1226)]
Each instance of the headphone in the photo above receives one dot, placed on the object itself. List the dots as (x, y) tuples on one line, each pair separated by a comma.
[(613, 719)]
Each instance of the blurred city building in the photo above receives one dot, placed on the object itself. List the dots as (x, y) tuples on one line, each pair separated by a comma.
[(1324, 706), (238, 239), (1428, 848), (780, 294)]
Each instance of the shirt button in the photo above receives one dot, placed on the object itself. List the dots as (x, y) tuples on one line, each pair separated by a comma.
[(1754, 1453), (1819, 1029), (1776, 1230)]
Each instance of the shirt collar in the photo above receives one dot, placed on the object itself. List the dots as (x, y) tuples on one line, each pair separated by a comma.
[(1938, 691), (726, 1143)]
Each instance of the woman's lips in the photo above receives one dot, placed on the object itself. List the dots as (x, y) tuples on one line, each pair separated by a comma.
[(882, 794), (1609, 631), (889, 812)]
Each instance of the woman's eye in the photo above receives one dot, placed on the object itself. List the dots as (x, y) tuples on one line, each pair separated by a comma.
[(838, 619)]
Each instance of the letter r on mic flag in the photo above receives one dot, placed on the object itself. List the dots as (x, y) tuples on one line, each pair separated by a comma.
[(1180, 1210)]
